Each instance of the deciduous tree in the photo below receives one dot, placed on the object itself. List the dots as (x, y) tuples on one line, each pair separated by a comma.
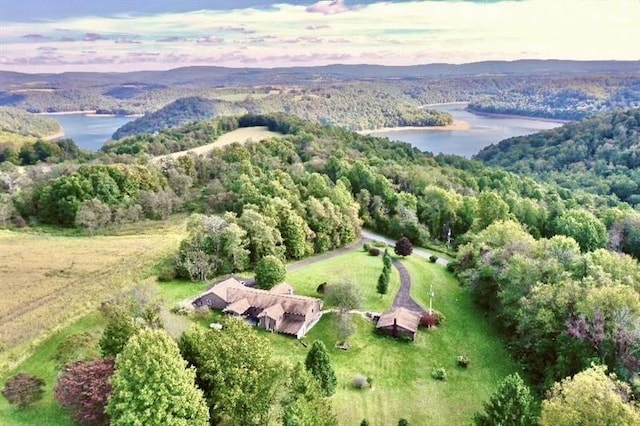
[(269, 272), (403, 247), (152, 385), (23, 390)]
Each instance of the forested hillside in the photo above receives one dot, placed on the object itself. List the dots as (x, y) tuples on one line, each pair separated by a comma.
[(20, 122), (599, 154)]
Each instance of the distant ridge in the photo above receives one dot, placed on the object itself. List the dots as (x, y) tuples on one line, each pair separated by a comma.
[(224, 75)]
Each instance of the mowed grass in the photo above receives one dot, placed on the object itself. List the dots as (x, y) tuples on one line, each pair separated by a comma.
[(357, 267), (52, 280), (401, 371), (46, 411)]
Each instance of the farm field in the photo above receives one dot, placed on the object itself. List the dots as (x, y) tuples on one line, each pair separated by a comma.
[(54, 279), (241, 135)]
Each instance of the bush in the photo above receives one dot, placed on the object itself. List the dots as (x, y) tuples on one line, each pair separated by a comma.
[(23, 390), (433, 258), (431, 320), (463, 361), (19, 222), (167, 274), (360, 381), (321, 288), (184, 308), (75, 347), (366, 246), (451, 266), (439, 373), (374, 251)]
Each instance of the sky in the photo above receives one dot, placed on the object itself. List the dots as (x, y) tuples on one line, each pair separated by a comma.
[(128, 35)]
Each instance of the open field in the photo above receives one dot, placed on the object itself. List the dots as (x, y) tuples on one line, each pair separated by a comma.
[(358, 267), (51, 280), (242, 135)]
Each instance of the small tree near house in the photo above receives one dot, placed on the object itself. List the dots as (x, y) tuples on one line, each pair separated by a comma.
[(269, 272), (319, 365), (403, 247)]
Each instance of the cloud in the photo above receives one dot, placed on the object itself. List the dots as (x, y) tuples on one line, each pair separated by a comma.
[(328, 7), (66, 39), (127, 41), (47, 48), (93, 37), (237, 29), (317, 27), (35, 37), (210, 40), (172, 39)]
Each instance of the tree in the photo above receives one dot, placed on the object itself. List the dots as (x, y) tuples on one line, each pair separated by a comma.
[(491, 208), (403, 422), (383, 282), (364, 422), (23, 390), (93, 214), (152, 385), (84, 389), (583, 227), (511, 404), (269, 272), (236, 370), (590, 398), (120, 327), (319, 365), (304, 403), (264, 238), (344, 295), (403, 247)]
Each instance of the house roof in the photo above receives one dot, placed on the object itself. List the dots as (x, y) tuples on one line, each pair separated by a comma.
[(405, 318), (239, 307), (220, 289), (282, 288), (273, 311), (298, 305)]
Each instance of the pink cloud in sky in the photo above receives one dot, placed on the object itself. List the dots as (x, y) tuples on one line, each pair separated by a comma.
[(328, 7)]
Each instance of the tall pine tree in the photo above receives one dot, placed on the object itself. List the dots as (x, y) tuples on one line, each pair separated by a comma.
[(319, 365)]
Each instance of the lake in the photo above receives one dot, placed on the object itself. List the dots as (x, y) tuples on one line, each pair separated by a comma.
[(484, 130), (89, 132)]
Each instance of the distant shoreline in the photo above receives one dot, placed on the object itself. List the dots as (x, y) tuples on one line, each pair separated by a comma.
[(456, 125), (526, 117), (89, 113)]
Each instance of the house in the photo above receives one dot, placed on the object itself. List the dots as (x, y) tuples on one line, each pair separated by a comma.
[(277, 310), (399, 322)]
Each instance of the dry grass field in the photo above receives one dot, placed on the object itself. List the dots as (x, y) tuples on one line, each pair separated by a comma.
[(47, 281), (242, 135)]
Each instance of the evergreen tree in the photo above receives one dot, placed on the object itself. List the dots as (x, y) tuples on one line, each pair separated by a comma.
[(511, 404), (304, 403), (319, 365), (120, 327), (383, 283), (152, 385)]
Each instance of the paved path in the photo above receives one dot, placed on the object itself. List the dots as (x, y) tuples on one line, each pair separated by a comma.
[(417, 251), (403, 298)]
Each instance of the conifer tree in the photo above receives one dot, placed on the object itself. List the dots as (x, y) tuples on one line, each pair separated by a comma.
[(383, 283), (319, 365), (511, 404)]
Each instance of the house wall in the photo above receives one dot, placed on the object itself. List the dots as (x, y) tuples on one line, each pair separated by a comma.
[(400, 332)]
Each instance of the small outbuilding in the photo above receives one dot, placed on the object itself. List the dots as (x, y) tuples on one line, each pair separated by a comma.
[(399, 322)]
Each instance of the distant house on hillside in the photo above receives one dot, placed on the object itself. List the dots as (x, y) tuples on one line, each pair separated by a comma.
[(277, 310), (399, 322)]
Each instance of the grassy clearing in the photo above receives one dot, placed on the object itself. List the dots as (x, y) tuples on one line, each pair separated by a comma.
[(53, 280), (242, 135), (358, 267), (401, 371)]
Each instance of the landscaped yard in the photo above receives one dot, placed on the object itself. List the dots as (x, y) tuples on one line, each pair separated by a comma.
[(357, 267), (401, 371)]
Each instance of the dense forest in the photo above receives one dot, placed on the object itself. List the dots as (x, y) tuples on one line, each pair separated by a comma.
[(18, 121), (599, 155)]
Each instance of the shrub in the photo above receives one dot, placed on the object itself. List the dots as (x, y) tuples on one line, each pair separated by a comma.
[(366, 246), (403, 247), (364, 422), (167, 274), (403, 422), (19, 222), (433, 258), (321, 288), (451, 266), (432, 319), (360, 381), (75, 347), (183, 308), (374, 251), (23, 390), (463, 361), (439, 373)]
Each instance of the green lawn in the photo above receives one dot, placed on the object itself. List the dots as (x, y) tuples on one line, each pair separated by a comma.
[(401, 371), (46, 411), (358, 267)]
